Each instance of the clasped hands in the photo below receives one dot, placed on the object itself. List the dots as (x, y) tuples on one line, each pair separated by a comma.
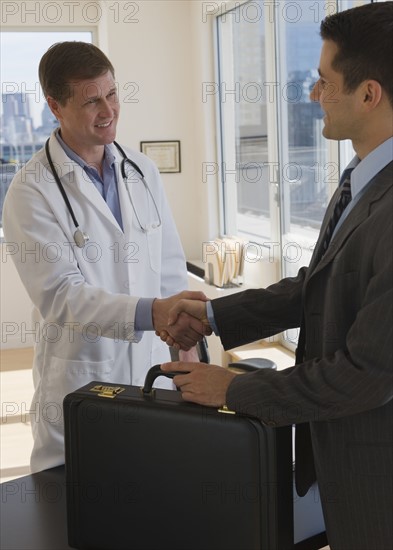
[(181, 320)]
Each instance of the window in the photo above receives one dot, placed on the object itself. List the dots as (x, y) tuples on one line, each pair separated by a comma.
[(26, 121), (245, 132), (278, 172)]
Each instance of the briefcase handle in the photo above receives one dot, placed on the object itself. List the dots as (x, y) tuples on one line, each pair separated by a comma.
[(245, 365), (154, 373)]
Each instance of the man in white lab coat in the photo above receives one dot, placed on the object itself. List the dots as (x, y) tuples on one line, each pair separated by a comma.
[(94, 312)]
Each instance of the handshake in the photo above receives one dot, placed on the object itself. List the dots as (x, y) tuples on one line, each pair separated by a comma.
[(181, 320)]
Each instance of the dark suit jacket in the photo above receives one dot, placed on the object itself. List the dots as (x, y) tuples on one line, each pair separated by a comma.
[(341, 387)]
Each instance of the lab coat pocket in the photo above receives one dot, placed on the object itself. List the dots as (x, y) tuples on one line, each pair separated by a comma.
[(63, 376), (154, 243)]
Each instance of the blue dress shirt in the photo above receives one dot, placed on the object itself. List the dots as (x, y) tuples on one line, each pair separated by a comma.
[(362, 174), (107, 184)]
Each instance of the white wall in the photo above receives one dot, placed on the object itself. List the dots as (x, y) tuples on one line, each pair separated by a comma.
[(164, 58), (168, 52)]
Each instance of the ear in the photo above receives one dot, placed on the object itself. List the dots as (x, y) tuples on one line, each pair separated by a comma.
[(55, 107), (372, 94)]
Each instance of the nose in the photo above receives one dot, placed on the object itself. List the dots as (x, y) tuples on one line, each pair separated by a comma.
[(315, 92), (106, 110)]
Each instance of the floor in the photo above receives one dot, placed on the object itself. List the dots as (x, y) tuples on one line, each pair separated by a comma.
[(16, 392)]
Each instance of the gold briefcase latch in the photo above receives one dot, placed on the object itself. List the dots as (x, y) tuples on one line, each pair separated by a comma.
[(224, 409), (107, 391)]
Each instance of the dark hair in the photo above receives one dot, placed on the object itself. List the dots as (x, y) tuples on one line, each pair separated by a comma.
[(67, 62), (364, 36)]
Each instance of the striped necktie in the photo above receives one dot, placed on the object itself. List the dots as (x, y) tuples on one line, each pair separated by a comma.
[(344, 199)]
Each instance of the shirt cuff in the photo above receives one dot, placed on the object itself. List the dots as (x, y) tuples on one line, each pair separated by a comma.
[(210, 318), (143, 314)]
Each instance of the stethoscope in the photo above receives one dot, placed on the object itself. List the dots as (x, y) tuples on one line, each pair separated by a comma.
[(80, 237)]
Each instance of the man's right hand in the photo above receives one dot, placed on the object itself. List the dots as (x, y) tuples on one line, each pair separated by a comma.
[(187, 319), (180, 320)]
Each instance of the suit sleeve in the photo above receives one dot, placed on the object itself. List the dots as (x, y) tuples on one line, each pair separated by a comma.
[(259, 313), (355, 378)]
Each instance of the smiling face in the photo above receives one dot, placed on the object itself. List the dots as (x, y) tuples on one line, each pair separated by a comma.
[(341, 108), (88, 119)]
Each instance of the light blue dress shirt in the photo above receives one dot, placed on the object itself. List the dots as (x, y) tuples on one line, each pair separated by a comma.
[(107, 185), (362, 174)]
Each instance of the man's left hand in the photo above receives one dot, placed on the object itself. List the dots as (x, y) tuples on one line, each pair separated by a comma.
[(202, 384)]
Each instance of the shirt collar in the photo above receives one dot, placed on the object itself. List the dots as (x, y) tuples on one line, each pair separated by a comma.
[(365, 170), (109, 157)]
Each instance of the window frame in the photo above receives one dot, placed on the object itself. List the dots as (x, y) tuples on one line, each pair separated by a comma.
[(339, 153)]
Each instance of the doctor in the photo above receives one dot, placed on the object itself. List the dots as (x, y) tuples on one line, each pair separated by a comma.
[(90, 267)]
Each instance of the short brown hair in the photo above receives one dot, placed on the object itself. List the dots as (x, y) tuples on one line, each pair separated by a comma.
[(67, 62), (364, 37)]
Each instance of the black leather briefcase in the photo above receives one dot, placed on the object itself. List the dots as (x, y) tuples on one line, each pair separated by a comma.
[(147, 471)]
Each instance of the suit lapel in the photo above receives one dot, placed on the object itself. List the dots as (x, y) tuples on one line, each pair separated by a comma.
[(378, 187)]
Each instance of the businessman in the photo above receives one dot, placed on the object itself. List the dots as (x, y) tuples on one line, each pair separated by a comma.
[(339, 393)]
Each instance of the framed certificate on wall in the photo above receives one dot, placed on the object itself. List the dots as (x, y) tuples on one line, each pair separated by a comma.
[(165, 154)]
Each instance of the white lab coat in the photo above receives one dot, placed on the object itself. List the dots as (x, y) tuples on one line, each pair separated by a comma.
[(85, 299)]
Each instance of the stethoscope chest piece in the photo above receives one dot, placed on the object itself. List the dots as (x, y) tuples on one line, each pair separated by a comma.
[(81, 238)]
